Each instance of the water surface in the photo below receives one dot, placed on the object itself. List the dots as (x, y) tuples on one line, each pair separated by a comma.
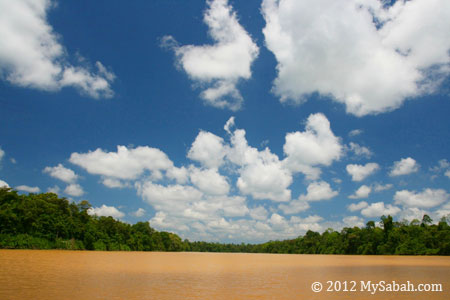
[(85, 275)]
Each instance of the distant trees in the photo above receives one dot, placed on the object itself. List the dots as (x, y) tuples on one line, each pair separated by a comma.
[(44, 221)]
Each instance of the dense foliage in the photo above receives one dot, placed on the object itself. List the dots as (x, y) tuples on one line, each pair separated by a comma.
[(44, 221)]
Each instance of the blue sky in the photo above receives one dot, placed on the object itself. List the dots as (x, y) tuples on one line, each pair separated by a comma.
[(229, 120)]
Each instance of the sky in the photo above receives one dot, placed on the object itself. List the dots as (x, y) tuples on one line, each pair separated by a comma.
[(230, 121)]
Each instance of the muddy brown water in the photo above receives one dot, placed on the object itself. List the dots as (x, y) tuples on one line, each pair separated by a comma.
[(85, 275)]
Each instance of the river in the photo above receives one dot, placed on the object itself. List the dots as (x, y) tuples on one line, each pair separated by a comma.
[(86, 275)]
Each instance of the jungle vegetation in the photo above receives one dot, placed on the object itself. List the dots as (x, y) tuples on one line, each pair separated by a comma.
[(45, 221)]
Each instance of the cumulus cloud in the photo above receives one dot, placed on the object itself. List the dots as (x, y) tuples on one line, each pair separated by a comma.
[(180, 175), (207, 200), (139, 213), (315, 146), (366, 55), (355, 132), (74, 190), (427, 198), (54, 189), (443, 211), (28, 189), (2, 153), (359, 150), (443, 166), (219, 66), (62, 173), (265, 179), (352, 221), (32, 55), (318, 191), (357, 206), (124, 164), (168, 198), (411, 213), (380, 187), (209, 181), (113, 183), (361, 172), (207, 149), (3, 184), (362, 192), (379, 209), (404, 166), (106, 211), (294, 207), (262, 174), (259, 213), (304, 224), (278, 222)]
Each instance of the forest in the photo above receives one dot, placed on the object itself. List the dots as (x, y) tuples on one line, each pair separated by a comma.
[(45, 221)]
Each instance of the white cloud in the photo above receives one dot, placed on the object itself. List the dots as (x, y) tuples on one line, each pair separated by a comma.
[(262, 174), (123, 164), (378, 209), (265, 179), (209, 181), (443, 166), (229, 206), (278, 222), (113, 183), (443, 211), (3, 184), (207, 201), (362, 192), (318, 191), (404, 166), (28, 189), (160, 221), (139, 213), (352, 221), (32, 55), (360, 172), (180, 175), (55, 190), (302, 225), (412, 213), (106, 211), (173, 198), (294, 207), (2, 153), (379, 187), (259, 213), (220, 66), (427, 198), (317, 145), (208, 149), (337, 180), (357, 206), (62, 173), (74, 190), (355, 132), (336, 49), (360, 150)]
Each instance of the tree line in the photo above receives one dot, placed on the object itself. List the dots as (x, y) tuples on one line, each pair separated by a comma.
[(45, 221)]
